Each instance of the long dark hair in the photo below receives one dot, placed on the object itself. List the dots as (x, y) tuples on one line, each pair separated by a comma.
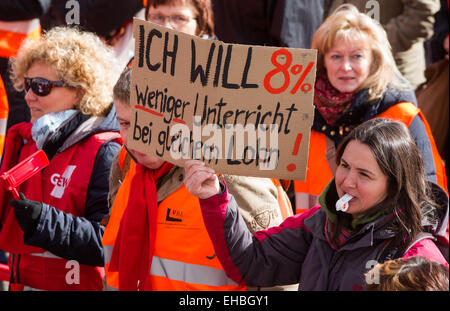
[(409, 196), (204, 18)]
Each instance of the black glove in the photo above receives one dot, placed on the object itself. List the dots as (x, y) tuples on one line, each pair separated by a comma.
[(27, 213)]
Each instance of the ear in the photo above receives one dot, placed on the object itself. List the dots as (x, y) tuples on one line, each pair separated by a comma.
[(80, 94)]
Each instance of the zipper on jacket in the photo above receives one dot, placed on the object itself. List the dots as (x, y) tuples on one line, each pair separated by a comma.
[(335, 264)]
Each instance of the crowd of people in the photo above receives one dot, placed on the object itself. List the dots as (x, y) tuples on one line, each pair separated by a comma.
[(376, 183)]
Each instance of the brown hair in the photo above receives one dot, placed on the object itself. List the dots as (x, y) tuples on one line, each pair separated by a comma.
[(205, 22), (414, 273), (121, 90), (409, 194)]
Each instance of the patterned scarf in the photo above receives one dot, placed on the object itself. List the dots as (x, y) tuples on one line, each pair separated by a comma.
[(343, 236), (330, 102)]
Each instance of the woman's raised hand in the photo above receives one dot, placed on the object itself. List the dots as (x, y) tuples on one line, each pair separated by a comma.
[(200, 180)]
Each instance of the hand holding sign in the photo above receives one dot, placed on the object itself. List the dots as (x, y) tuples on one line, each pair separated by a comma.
[(200, 180)]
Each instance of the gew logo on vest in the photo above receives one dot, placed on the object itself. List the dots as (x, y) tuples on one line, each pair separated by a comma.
[(61, 181)]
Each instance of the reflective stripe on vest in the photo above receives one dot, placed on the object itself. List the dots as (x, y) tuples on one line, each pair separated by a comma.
[(318, 173), (46, 254), (189, 273), (4, 109), (181, 236), (46, 271), (12, 35)]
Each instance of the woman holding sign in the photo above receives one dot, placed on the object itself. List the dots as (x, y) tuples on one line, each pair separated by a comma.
[(155, 238), (357, 80), (376, 208), (53, 232)]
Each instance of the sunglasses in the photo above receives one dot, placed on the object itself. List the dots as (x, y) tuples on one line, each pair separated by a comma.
[(41, 86)]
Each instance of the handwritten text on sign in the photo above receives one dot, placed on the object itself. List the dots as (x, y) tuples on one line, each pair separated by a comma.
[(244, 110)]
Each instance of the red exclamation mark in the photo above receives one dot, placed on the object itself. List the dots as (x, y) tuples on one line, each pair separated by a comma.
[(292, 167)]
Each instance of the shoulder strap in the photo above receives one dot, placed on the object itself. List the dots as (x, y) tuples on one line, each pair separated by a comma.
[(421, 236), (391, 251), (404, 112)]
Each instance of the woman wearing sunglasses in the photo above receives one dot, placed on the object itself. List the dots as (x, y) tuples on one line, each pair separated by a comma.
[(53, 232)]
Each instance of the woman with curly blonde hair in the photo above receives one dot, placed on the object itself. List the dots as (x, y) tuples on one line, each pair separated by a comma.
[(53, 232), (80, 60)]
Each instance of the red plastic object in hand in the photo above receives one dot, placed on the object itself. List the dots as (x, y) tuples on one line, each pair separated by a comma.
[(4, 272), (23, 171)]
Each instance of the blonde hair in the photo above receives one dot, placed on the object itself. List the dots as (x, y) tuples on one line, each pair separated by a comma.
[(80, 59), (414, 273), (348, 24)]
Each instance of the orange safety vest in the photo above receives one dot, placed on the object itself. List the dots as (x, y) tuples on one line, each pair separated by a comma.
[(12, 34), (4, 109), (283, 200), (184, 257), (112, 228), (319, 174)]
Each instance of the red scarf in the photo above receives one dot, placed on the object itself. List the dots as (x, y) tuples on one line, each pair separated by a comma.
[(134, 247), (330, 102)]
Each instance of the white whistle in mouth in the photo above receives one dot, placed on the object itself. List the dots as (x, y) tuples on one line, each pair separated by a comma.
[(342, 203)]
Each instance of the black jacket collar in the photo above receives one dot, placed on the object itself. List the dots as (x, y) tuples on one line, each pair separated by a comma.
[(78, 127), (360, 111)]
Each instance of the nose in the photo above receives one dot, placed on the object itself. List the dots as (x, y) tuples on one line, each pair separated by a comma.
[(346, 66), (349, 181), (29, 95)]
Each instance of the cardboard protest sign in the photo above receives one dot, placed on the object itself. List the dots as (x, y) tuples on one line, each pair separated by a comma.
[(243, 110)]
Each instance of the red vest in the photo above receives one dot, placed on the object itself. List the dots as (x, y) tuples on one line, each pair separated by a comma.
[(64, 186)]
